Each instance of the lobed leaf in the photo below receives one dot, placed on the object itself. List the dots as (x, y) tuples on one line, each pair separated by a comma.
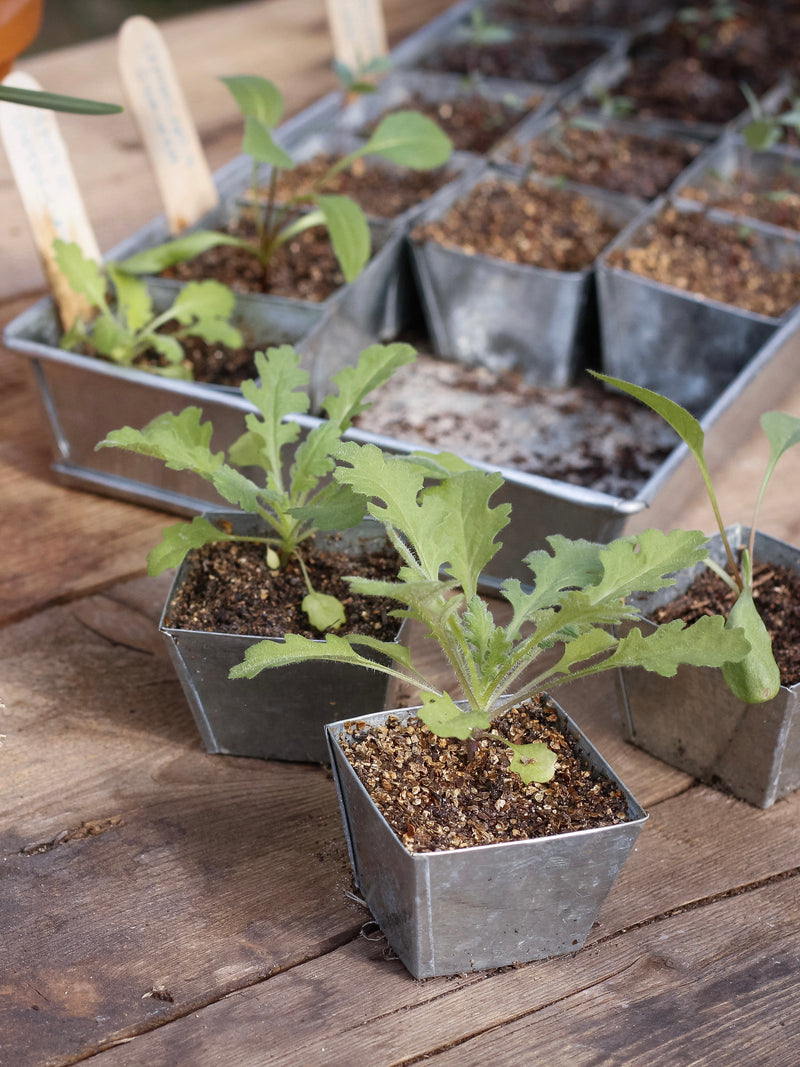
[(645, 562), (84, 275), (133, 300), (706, 643), (336, 507), (181, 441), (297, 649), (180, 539), (280, 391), (375, 366)]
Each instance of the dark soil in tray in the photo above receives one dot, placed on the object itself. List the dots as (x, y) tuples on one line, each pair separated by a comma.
[(230, 589), (718, 262), (435, 796), (614, 159), (693, 69), (774, 199), (381, 190), (474, 122), (525, 58), (582, 435), (618, 14), (523, 223), (304, 268), (776, 591)]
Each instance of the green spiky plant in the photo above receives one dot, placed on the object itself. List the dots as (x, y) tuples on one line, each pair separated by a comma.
[(756, 677), (437, 512), (293, 507), (122, 324), (406, 138)]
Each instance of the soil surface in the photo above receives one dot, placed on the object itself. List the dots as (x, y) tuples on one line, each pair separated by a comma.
[(693, 70), (382, 191), (774, 198), (584, 151), (776, 592), (304, 268), (583, 435), (435, 796), (472, 121), (523, 223), (230, 589), (616, 13), (719, 262), (527, 57)]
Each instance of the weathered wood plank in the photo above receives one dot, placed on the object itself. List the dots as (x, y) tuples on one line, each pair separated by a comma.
[(663, 993), (133, 861)]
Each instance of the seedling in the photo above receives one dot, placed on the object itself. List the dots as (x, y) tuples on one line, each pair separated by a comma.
[(756, 677), (406, 138), (292, 508), (445, 533), (125, 326), (361, 79), (482, 32)]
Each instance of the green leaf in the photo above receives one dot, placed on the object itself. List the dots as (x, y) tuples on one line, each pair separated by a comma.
[(756, 677), (761, 134), (349, 233), (259, 143), (297, 649), (534, 762), (202, 300), (442, 715), (312, 459), (84, 275), (685, 425), (75, 105), (181, 538), (324, 612), (337, 507), (256, 97), (181, 441), (582, 648), (133, 300), (237, 489), (111, 339), (155, 260), (280, 391), (646, 562), (409, 139), (783, 433), (376, 365), (466, 524), (706, 643), (168, 347)]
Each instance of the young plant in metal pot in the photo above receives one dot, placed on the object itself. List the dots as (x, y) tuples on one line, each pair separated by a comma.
[(471, 837), (283, 545), (123, 326), (407, 138), (743, 736)]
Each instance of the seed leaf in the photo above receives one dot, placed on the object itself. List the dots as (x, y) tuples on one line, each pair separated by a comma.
[(409, 139)]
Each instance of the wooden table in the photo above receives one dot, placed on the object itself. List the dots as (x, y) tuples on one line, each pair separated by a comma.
[(162, 906)]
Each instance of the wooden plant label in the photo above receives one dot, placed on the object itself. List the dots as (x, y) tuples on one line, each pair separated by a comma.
[(50, 195), (159, 108), (358, 30)]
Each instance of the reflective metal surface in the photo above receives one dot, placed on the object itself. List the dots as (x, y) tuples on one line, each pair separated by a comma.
[(693, 721), (488, 906), (281, 713)]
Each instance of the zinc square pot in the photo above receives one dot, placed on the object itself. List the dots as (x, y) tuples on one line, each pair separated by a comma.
[(679, 343), (693, 722), (281, 713), (130, 396), (486, 906), (468, 298)]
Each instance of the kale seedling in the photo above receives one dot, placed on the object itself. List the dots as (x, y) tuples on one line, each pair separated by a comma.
[(406, 138), (125, 325), (756, 677), (445, 534), (361, 79), (292, 508)]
